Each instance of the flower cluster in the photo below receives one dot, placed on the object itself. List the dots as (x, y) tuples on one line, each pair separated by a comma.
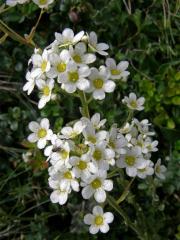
[(40, 3), (84, 153), (66, 62)]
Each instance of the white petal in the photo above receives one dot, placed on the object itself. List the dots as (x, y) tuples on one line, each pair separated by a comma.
[(70, 88), (104, 228), (34, 126), (83, 84), (84, 71), (42, 103), (48, 150), (68, 34), (54, 196), (131, 172), (89, 58), (100, 195), (93, 38), (45, 123), (41, 143), (75, 185), (110, 62), (109, 217), (102, 46), (32, 138), (36, 59), (87, 192), (108, 185), (88, 219), (78, 37), (66, 131), (97, 210), (99, 94), (63, 198), (123, 65), (93, 229), (109, 86)]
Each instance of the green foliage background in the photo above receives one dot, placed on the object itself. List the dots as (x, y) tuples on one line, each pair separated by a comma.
[(146, 34)]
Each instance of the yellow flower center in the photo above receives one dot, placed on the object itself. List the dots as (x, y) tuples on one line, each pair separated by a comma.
[(73, 76), (42, 133), (46, 91), (99, 220), (96, 183), (68, 175), (98, 83), (63, 154), (61, 67), (77, 59), (82, 165), (91, 139), (130, 160), (158, 169), (43, 66), (112, 144), (97, 155), (115, 72), (142, 170), (133, 104), (42, 2)]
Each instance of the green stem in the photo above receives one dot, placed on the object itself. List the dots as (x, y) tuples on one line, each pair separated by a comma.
[(15, 36), (33, 30), (133, 226), (125, 192), (85, 110), (5, 10)]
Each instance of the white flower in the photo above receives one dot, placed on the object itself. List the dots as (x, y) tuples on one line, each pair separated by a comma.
[(65, 177), (79, 55), (100, 83), (41, 64), (82, 166), (75, 77), (59, 64), (126, 128), (96, 121), (67, 37), (95, 46), (12, 3), (143, 126), (89, 133), (60, 154), (27, 156), (96, 185), (160, 170), (98, 221), (116, 141), (117, 71), (49, 149), (151, 146), (46, 90), (146, 171), (60, 194), (133, 103), (43, 3), (69, 132), (132, 161), (41, 132), (29, 85), (100, 155)]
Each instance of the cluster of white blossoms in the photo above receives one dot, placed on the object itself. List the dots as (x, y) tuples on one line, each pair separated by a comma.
[(67, 63), (40, 3), (84, 153)]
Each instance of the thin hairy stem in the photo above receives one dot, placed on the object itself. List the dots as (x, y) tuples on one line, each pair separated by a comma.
[(84, 102)]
